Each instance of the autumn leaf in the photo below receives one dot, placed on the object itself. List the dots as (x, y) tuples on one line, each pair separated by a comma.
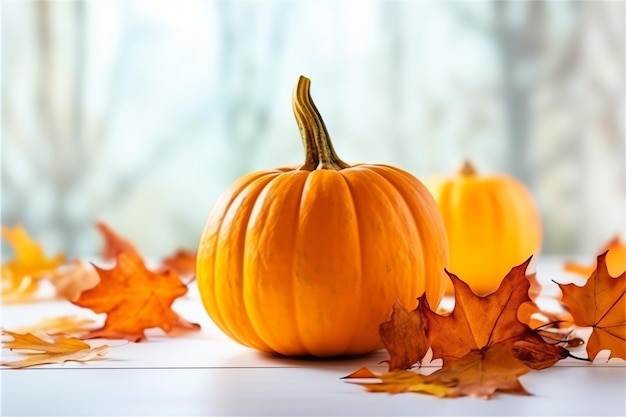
[(21, 274), (554, 327), (113, 242), (482, 373), (397, 382), (182, 261), (616, 260), (60, 350), (601, 305), (362, 373), (404, 337), (478, 323), (535, 286), (134, 299), (535, 318), (71, 280), (62, 325), (479, 374)]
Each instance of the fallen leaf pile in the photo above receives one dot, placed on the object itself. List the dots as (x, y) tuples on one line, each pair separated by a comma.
[(487, 342), (134, 297)]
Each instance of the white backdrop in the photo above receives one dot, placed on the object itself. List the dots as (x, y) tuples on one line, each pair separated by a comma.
[(140, 113)]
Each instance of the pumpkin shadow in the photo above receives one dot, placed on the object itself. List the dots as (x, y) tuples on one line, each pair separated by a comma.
[(275, 360)]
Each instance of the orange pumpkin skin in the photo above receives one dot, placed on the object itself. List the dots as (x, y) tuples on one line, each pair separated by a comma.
[(309, 260), (492, 224)]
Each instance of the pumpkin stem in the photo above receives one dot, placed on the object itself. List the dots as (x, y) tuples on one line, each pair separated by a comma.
[(318, 149), (467, 169)]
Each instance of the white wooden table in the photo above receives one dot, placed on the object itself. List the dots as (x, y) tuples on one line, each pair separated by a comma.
[(205, 373)]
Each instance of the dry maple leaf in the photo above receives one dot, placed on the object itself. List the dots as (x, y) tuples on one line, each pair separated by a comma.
[(134, 299), (477, 323), (601, 305), (557, 328), (479, 374), (63, 325), (404, 337), (182, 261), (20, 275), (616, 260), (60, 350), (396, 382), (113, 242), (535, 286), (71, 280)]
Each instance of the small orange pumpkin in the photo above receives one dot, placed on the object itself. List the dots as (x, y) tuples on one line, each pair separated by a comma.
[(492, 223), (309, 260)]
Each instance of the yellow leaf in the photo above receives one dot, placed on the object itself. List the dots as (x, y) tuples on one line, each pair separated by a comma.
[(29, 263), (396, 382), (66, 325), (60, 350)]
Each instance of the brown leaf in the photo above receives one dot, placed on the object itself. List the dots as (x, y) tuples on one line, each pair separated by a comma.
[(404, 337), (60, 350), (134, 299), (20, 275), (478, 323), (601, 305), (479, 374), (482, 373), (70, 281), (535, 286), (113, 242), (529, 313), (533, 351), (361, 374)]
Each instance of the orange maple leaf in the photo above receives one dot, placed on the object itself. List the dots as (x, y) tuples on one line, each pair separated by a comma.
[(478, 323), (616, 260), (21, 274), (601, 305), (182, 261), (404, 337), (134, 299), (113, 242)]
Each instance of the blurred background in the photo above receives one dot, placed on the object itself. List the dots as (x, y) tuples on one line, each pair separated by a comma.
[(140, 113)]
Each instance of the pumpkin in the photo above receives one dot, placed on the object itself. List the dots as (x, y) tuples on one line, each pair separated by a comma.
[(308, 260), (492, 223)]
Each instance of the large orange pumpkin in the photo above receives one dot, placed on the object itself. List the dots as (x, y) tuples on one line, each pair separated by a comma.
[(309, 260), (492, 222)]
